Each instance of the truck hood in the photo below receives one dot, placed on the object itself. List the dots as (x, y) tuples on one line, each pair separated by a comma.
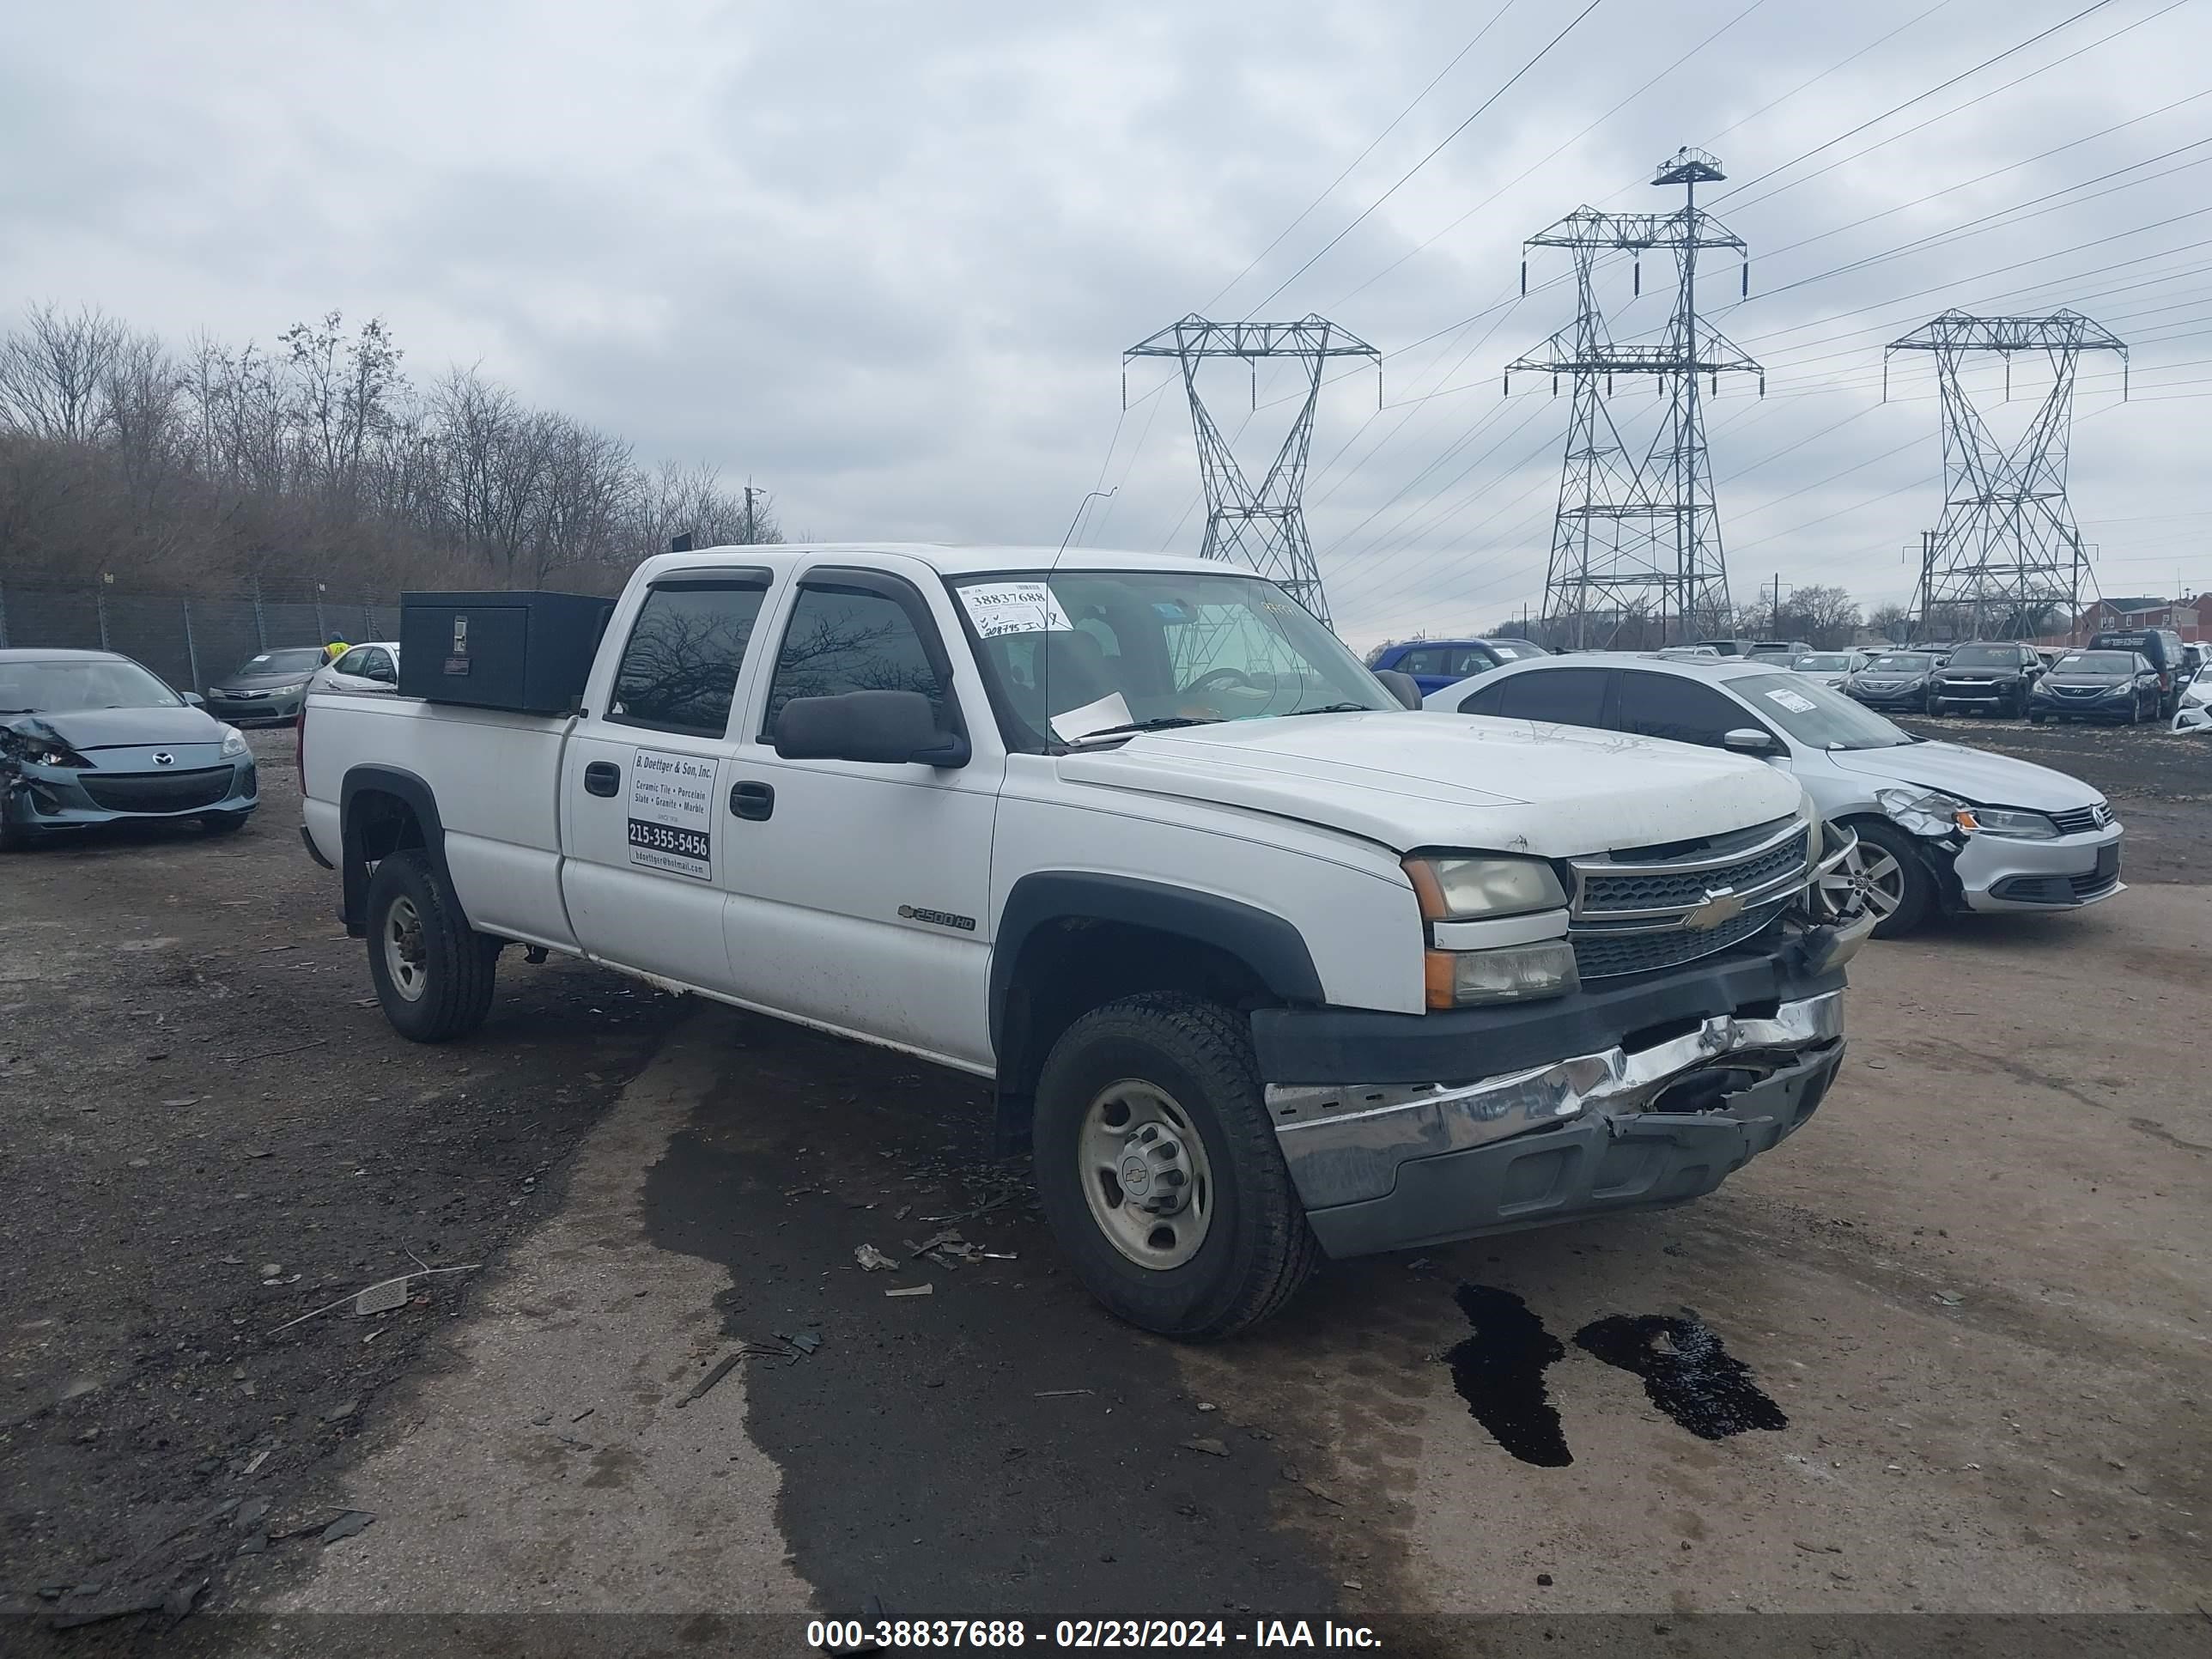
[(1973, 774), (1409, 779)]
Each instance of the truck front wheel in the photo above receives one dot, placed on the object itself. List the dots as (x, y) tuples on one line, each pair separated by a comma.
[(1158, 1171), (433, 972)]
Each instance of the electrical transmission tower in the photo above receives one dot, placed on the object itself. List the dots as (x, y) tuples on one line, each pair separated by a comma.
[(2006, 550), (1631, 532), (1264, 527)]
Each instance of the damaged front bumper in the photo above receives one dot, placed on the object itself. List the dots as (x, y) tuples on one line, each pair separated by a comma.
[(1705, 1072)]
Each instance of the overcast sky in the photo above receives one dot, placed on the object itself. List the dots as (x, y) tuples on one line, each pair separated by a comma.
[(884, 259)]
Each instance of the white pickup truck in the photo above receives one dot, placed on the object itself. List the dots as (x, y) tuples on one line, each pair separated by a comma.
[(1262, 964)]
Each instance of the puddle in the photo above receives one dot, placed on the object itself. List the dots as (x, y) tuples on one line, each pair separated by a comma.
[(1499, 1372), (1687, 1372)]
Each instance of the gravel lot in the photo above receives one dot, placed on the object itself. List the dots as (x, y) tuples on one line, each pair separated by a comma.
[(1973, 1292)]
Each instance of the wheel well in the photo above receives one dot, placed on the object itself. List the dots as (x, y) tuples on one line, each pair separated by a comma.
[(380, 824), (1072, 964)]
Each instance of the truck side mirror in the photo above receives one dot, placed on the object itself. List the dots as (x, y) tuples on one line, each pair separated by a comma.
[(1404, 687), (1749, 740), (883, 729)]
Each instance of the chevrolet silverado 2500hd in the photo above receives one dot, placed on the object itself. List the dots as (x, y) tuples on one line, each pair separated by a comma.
[(1262, 965)]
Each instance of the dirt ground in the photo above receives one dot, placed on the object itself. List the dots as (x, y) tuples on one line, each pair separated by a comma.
[(1945, 1350)]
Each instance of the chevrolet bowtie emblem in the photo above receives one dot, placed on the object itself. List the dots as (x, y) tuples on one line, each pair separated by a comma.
[(1722, 907)]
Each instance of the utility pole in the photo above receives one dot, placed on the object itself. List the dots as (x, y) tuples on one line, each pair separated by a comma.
[(749, 515), (2006, 541), (1264, 528), (1778, 603), (1626, 529)]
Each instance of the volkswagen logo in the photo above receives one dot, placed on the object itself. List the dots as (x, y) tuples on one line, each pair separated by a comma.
[(163, 757)]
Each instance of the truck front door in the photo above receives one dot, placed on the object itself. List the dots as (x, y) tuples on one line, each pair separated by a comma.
[(644, 825), (860, 893)]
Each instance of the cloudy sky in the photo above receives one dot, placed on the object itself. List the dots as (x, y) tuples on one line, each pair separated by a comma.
[(884, 259)]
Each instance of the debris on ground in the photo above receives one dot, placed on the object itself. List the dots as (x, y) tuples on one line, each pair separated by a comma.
[(722, 1369), (1207, 1444), (1060, 1393), (873, 1260), (1949, 1299), (911, 1290), (358, 1297), (352, 1522)]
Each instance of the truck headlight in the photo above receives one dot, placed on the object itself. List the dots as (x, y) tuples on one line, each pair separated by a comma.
[(233, 743), (1466, 888), (1925, 812), (1513, 973), (2004, 821)]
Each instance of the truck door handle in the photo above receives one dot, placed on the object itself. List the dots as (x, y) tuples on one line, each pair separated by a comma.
[(602, 778), (752, 800)]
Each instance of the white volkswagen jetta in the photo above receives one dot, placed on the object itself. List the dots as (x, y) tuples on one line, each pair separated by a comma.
[(1942, 827)]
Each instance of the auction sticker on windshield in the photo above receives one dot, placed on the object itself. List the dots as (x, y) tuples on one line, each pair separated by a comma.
[(671, 813), (1796, 701), (1014, 607)]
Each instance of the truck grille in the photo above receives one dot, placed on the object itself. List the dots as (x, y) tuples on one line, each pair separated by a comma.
[(1631, 912), (1657, 889), (2083, 818), (156, 792), (1603, 955)]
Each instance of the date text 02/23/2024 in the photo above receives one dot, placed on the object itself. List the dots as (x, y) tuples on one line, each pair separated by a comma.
[(854, 1635)]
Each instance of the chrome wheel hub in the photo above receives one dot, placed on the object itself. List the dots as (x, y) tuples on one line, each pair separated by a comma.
[(1145, 1174), (404, 953)]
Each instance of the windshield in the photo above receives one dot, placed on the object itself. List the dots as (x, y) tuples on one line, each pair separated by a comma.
[(1513, 650), (1900, 662), (1071, 654), (2096, 662), (305, 660), (56, 688), (1985, 656), (1815, 715), (1821, 661)]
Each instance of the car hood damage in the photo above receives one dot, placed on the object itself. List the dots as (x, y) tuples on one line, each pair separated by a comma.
[(1407, 780), (1972, 774), (87, 729)]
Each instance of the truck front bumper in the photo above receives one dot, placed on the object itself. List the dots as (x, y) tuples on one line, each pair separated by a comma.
[(1697, 1074)]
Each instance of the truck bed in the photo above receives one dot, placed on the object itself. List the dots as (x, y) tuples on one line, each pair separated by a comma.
[(496, 778)]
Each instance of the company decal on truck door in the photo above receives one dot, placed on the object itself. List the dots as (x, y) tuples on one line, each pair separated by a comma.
[(671, 813)]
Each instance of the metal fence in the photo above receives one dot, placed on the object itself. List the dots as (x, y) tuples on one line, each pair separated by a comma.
[(187, 641)]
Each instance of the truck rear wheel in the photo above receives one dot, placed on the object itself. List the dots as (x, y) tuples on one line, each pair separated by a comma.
[(433, 972), (1158, 1171)]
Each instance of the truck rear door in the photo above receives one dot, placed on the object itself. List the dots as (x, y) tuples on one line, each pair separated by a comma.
[(646, 770)]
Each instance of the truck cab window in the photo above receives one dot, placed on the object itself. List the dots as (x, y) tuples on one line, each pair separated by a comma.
[(680, 665), (842, 640)]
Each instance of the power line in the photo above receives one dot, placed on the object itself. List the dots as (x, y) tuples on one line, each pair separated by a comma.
[(1511, 80), (2095, 5), (1395, 120)]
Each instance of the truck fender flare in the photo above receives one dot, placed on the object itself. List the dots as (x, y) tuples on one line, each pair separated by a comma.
[(1271, 946), (353, 860)]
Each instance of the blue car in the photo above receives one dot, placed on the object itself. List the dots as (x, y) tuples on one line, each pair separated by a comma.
[(1435, 664), (90, 738)]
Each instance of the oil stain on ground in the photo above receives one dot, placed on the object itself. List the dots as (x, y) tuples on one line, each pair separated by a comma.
[(1499, 1372), (1687, 1372)]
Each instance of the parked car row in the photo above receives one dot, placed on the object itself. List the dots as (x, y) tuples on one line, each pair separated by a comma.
[(2120, 677)]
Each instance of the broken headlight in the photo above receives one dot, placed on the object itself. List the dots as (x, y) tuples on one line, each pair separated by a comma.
[(1925, 812)]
